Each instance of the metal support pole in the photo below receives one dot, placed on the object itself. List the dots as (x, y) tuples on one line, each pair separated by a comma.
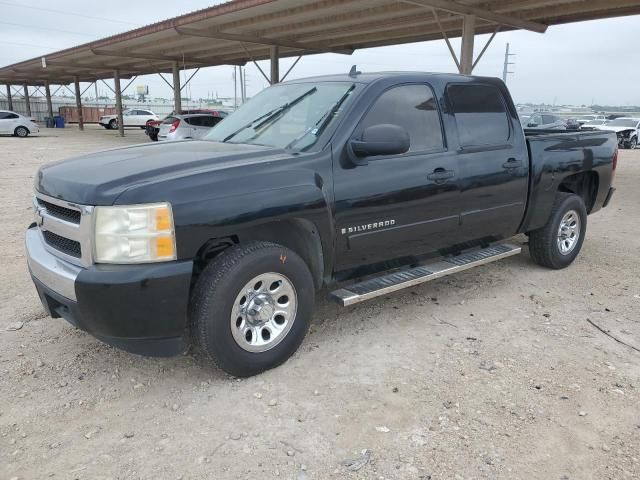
[(275, 64), (26, 99), (9, 99), (79, 103), (466, 52), (116, 83), (177, 98), (47, 91)]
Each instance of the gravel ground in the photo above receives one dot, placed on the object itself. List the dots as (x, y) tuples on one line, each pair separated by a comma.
[(493, 373)]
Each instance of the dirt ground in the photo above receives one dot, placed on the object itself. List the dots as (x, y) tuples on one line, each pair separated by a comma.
[(493, 373)]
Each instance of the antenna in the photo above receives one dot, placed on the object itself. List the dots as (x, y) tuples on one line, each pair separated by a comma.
[(354, 71)]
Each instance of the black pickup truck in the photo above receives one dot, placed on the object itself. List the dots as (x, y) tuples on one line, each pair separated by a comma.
[(364, 183)]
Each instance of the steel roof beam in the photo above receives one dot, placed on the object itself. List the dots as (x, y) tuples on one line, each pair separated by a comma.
[(249, 38), (145, 56), (500, 19)]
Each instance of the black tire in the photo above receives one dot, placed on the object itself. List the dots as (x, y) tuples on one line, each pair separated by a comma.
[(21, 132), (544, 245), (113, 125), (633, 143), (153, 137), (214, 297)]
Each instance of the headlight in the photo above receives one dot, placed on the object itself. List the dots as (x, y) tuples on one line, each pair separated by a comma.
[(134, 234)]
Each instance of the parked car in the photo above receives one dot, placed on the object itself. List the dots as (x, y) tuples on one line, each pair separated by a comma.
[(130, 118), (593, 124), (588, 118), (153, 126), (312, 183), (12, 123), (184, 127), (524, 119), (546, 121), (572, 124), (627, 129)]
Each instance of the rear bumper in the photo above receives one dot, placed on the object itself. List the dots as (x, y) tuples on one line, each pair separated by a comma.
[(138, 308)]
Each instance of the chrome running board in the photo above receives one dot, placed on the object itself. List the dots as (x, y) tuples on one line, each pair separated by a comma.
[(392, 282)]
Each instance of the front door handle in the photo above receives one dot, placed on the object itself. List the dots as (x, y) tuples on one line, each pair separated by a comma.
[(512, 163), (440, 175)]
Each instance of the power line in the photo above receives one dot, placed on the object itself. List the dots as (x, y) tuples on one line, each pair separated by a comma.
[(28, 45), (48, 28), (51, 10)]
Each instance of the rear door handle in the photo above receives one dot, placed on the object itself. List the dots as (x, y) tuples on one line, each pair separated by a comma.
[(512, 163), (440, 174)]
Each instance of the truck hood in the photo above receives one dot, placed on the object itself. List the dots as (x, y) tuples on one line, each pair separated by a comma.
[(99, 178)]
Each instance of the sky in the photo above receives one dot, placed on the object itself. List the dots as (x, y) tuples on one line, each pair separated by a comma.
[(584, 63)]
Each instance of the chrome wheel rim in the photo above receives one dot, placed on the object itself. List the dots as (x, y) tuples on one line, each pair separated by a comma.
[(569, 232), (263, 312), (22, 132)]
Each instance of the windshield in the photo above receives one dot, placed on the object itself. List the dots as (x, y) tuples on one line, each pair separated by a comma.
[(285, 115), (623, 122)]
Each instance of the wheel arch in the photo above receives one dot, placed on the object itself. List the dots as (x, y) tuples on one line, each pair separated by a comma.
[(298, 234), (583, 184)]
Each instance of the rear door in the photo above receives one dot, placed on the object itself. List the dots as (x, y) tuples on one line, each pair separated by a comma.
[(397, 206), (207, 122), (493, 162)]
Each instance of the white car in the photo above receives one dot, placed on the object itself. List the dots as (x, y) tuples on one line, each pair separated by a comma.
[(627, 129), (184, 127), (134, 117), (12, 123)]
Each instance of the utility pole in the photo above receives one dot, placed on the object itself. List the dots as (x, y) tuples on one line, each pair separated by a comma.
[(235, 87), (506, 71)]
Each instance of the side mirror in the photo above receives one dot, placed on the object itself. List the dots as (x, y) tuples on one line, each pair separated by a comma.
[(383, 139)]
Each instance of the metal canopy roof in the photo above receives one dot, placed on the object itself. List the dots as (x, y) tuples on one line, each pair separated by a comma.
[(243, 30)]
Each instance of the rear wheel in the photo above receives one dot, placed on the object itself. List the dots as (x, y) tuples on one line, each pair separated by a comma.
[(113, 124), (557, 244), (21, 132), (251, 307)]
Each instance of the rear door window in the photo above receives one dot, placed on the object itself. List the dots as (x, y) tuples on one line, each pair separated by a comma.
[(481, 115), (210, 121)]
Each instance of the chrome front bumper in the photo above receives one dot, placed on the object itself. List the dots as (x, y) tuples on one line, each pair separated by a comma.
[(53, 272)]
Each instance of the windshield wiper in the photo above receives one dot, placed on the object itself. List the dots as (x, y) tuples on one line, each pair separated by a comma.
[(324, 120), (270, 115)]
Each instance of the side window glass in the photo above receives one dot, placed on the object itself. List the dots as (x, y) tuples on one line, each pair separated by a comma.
[(412, 107), (481, 115), (4, 115)]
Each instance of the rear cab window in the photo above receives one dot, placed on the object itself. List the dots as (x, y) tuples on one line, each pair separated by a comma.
[(481, 115)]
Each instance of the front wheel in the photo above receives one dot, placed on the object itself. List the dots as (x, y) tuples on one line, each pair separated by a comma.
[(633, 143), (557, 244), (113, 125), (21, 132), (251, 307)]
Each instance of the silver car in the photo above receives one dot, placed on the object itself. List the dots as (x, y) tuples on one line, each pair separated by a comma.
[(546, 121), (184, 127)]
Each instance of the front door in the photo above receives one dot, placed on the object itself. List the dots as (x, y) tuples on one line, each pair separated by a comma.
[(493, 163), (397, 206)]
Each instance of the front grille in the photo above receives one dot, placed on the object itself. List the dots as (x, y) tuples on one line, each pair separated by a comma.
[(63, 213), (64, 245)]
